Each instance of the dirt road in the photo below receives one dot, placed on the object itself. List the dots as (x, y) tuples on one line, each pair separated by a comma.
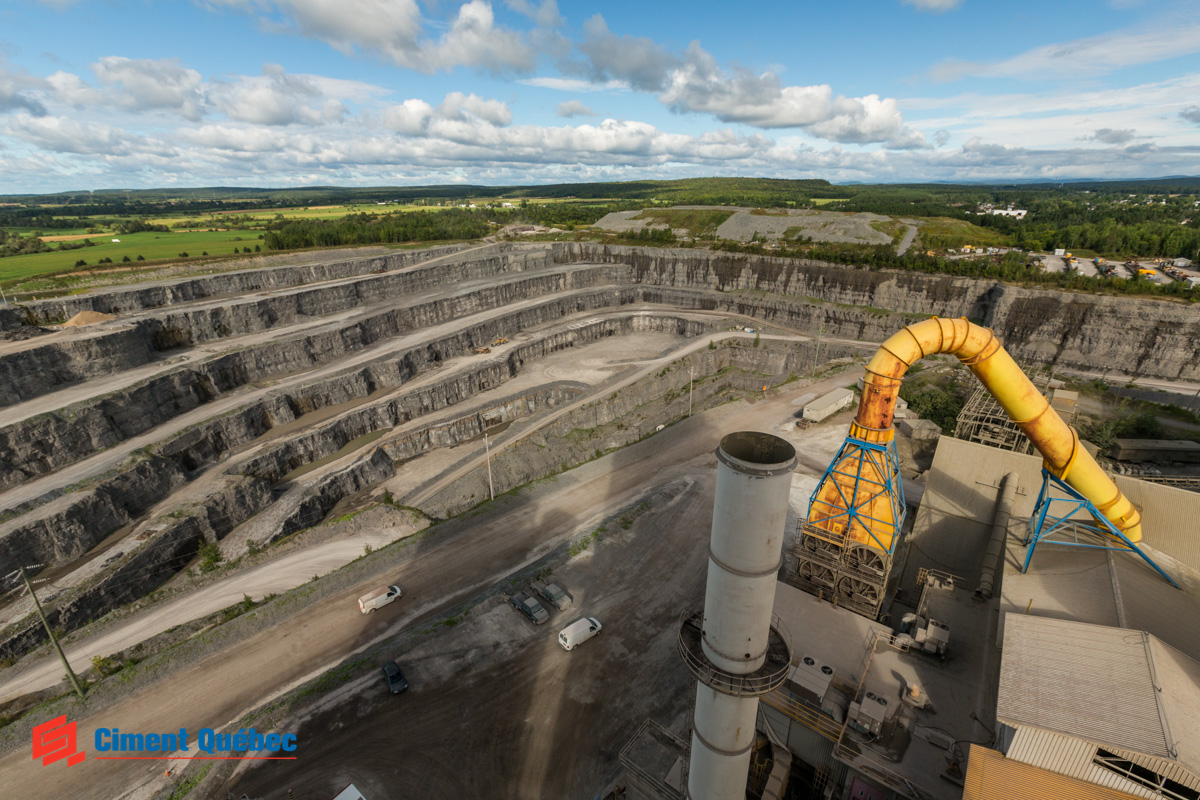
[(496, 709), (275, 577)]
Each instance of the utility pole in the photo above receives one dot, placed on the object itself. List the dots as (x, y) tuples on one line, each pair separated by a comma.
[(817, 351), (691, 380), (54, 641), (488, 449)]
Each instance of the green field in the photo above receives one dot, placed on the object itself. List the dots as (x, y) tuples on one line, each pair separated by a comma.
[(152, 246), (942, 232)]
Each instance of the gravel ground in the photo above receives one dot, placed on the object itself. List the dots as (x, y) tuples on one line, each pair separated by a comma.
[(622, 221), (821, 226)]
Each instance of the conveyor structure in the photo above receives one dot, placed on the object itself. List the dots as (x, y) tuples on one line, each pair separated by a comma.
[(856, 513)]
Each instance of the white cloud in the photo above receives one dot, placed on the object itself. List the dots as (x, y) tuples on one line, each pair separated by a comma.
[(410, 117), (700, 85), (144, 84), (573, 108), (934, 6), (1095, 55), (394, 29), (14, 87), (276, 98), (574, 84), (72, 90), (1061, 119), (273, 98), (695, 83), (56, 152), (635, 60), (474, 40), (546, 14), (459, 106), (63, 135), (1113, 135)]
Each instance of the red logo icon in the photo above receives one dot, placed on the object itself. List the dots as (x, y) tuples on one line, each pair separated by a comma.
[(54, 741)]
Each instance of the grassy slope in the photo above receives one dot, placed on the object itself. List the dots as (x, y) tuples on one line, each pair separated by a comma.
[(152, 246)]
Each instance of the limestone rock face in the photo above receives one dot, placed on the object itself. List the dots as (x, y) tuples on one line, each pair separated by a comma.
[(1145, 336), (1152, 338)]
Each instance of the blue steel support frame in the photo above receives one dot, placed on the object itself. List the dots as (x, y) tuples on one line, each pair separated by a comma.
[(886, 462), (1043, 525)]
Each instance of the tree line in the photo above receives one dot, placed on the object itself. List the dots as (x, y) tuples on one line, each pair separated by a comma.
[(394, 228)]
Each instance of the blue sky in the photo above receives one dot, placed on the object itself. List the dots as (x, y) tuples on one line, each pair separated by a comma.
[(135, 94)]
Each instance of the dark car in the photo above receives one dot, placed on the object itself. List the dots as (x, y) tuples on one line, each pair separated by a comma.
[(396, 681), (529, 607), (553, 593)]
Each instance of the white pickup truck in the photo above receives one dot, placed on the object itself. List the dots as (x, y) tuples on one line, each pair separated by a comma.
[(378, 598)]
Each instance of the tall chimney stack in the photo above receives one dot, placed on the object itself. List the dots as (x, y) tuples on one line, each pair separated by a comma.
[(734, 648)]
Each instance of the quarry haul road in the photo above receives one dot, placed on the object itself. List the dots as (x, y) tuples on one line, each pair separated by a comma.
[(275, 577), (422, 495), (467, 555)]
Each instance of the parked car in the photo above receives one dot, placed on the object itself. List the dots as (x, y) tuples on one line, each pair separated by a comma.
[(579, 632), (378, 598), (553, 593), (396, 681), (530, 607)]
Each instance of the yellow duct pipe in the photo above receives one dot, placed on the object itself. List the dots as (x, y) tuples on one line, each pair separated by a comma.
[(979, 349)]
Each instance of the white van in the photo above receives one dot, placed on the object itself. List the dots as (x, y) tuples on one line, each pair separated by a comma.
[(578, 632), (378, 598)]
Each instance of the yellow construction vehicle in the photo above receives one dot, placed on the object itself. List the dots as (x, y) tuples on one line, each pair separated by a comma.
[(499, 342), (483, 350)]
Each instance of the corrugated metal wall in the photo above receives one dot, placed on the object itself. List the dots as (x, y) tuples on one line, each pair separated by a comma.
[(991, 776), (1168, 517), (1066, 755)]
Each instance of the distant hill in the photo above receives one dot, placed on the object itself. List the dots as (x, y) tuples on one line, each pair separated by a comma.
[(699, 191), (719, 190)]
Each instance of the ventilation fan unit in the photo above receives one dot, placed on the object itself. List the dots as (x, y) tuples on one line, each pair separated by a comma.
[(812, 678), (871, 713)]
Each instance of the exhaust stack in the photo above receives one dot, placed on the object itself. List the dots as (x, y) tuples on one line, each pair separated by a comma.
[(734, 647)]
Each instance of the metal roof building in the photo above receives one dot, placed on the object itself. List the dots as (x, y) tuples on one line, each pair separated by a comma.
[(1112, 706), (960, 496), (991, 776), (828, 404)]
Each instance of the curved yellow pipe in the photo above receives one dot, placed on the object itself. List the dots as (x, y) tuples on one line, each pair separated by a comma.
[(979, 349)]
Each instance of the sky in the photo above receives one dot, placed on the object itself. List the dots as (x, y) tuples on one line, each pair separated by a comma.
[(104, 94)]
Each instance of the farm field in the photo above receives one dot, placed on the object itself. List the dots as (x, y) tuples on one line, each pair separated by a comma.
[(152, 246)]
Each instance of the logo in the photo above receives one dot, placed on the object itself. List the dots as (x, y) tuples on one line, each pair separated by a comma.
[(54, 741)]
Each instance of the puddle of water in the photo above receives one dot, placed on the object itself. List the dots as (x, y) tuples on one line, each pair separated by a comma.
[(493, 431), (348, 448)]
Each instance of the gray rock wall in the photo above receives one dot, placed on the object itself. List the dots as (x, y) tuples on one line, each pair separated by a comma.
[(48, 441), (1143, 336), (127, 300), (51, 365), (175, 538)]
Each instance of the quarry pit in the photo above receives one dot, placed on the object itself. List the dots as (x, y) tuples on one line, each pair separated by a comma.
[(291, 434)]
